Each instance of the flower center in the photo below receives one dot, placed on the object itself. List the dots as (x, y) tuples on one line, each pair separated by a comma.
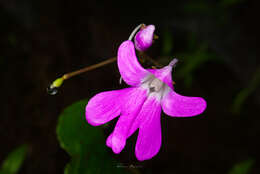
[(155, 85)]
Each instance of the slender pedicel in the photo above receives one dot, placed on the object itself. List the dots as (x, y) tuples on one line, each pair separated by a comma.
[(53, 88), (134, 31), (88, 68)]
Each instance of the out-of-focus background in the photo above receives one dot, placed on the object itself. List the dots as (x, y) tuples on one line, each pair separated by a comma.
[(215, 42)]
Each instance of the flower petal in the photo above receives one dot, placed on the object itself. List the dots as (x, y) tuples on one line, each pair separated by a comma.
[(109, 140), (129, 67), (176, 105), (149, 137), (164, 74), (144, 38), (133, 103), (105, 106)]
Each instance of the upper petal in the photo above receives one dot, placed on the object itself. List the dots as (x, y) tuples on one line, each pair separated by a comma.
[(105, 106), (129, 67), (165, 74), (133, 102), (149, 137), (176, 105), (144, 38)]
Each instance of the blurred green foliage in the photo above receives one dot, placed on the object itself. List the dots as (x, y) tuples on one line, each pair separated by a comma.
[(1, 61), (190, 61), (227, 3), (197, 6), (242, 167), (167, 41), (84, 143), (195, 57), (241, 97), (14, 161), (12, 40)]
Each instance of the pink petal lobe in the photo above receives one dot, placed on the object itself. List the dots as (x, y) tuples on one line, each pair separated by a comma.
[(176, 105), (109, 140), (164, 74), (132, 104), (144, 38), (105, 106), (129, 67), (149, 137)]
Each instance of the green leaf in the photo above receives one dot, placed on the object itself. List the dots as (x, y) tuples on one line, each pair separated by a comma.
[(74, 134), (85, 143), (242, 167), (14, 160)]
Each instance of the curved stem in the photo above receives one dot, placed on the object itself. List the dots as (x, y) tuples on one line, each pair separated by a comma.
[(134, 31)]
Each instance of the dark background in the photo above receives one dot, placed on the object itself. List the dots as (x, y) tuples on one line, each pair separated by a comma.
[(41, 40)]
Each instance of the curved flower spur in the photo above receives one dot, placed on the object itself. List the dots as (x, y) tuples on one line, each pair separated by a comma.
[(140, 105)]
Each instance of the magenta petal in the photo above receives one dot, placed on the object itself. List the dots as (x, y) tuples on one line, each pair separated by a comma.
[(131, 108), (149, 137), (109, 140), (164, 74), (144, 38), (130, 69), (177, 105), (104, 106)]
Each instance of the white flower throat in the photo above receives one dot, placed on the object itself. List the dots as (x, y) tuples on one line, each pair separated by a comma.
[(154, 87)]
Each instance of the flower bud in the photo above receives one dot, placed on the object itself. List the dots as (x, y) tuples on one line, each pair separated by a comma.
[(57, 83), (144, 38)]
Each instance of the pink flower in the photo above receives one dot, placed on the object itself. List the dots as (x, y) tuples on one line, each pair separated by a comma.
[(144, 38), (140, 105)]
